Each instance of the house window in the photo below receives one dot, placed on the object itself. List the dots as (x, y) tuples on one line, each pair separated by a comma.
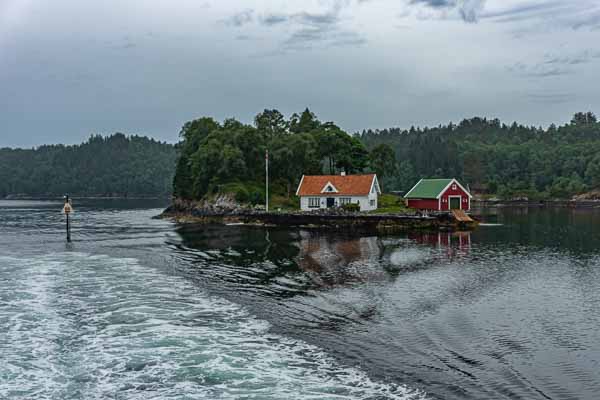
[(345, 200), (329, 189), (454, 186), (372, 203), (314, 202)]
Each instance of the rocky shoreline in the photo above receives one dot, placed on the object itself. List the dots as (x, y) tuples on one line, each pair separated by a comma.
[(221, 211)]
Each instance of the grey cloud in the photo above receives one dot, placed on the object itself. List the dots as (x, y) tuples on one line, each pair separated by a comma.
[(539, 70), (583, 57), (93, 81), (554, 65), (315, 19), (469, 10), (347, 38), (274, 19), (435, 3), (324, 27), (240, 19), (555, 13), (591, 20), (327, 18), (306, 37), (528, 11)]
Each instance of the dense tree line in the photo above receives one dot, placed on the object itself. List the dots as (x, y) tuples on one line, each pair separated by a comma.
[(495, 158), (230, 156), (116, 165)]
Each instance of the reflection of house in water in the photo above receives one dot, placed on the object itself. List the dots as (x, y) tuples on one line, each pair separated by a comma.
[(334, 260), (456, 243)]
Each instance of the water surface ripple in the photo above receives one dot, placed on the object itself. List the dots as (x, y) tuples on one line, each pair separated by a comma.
[(77, 325), (137, 308)]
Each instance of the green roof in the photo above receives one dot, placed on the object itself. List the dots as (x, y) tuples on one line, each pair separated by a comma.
[(428, 189)]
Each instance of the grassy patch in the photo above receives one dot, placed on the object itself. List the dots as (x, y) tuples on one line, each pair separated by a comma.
[(244, 193), (284, 203), (253, 194), (390, 204)]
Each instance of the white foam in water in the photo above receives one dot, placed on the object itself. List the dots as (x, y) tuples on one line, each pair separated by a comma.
[(77, 326), (409, 256)]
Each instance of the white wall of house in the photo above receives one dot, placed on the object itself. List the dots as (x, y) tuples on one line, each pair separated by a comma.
[(367, 203)]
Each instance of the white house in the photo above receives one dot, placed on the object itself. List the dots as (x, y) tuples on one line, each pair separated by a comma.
[(326, 191)]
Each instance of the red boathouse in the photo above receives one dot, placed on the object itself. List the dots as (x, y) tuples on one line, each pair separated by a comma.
[(439, 195)]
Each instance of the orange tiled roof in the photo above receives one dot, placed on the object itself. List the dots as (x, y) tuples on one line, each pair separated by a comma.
[(357, 185)]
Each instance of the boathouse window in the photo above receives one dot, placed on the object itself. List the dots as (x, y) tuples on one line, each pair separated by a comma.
[(345, 200), (454, 186), (314, 202), (372, 202)]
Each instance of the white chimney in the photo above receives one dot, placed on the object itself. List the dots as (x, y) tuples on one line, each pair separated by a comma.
[(343, 173)]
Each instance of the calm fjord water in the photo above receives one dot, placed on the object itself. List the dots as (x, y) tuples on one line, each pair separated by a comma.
[(141, 308)]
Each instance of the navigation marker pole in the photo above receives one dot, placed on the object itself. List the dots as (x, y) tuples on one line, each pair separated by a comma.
[(267, 180), (67, 209)]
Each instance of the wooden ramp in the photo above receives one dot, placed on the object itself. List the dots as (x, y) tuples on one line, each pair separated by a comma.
[(461, 216)]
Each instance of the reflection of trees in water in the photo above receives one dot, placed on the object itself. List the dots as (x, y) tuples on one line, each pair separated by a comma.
[(290, 262), (327, 259), (243, 245), (243, 258)]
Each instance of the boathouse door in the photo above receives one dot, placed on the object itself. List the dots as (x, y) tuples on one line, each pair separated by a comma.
[(330, 202), (455, 203)]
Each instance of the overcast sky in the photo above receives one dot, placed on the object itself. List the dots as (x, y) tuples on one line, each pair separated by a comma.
[(70, 68)]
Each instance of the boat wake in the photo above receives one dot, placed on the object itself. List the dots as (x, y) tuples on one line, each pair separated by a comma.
[(76, 325)]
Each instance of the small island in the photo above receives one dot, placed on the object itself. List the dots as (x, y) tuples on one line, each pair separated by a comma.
[(319, 177)]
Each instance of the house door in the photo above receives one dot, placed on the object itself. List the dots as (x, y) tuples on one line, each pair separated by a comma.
[(330, 202), (455, 203)]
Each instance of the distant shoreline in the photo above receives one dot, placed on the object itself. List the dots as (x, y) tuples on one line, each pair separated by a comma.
[(85, 197), (537, 203), (569, 203)]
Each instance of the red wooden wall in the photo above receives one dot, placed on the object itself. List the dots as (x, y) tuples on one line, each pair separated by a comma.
[(423, 204)]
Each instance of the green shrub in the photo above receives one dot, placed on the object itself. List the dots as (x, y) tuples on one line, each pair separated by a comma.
[(390, 200), (352, 207), (285, 203), (256, 196)]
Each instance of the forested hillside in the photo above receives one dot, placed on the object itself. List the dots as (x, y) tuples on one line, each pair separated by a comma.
[(116, 165), (491, 157), (505, 160)]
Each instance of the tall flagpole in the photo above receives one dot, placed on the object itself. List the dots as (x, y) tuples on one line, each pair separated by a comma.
[(267, 180)]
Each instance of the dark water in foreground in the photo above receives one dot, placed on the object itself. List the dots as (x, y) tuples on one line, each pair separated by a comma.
[(139, 308)]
